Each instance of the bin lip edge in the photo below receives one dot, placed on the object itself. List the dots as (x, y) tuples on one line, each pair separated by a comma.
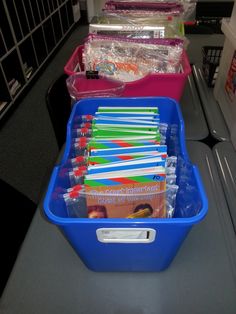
[(190, 221)]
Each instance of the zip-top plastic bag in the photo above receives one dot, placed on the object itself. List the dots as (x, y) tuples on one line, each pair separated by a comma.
[(188, 6), (112, 23), (77, 200), (77, 204), (165, 8), (80, 86), (128, 59)]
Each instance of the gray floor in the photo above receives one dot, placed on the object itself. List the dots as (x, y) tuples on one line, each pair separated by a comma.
[(28, 147)]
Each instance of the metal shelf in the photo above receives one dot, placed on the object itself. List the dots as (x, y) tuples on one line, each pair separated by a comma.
[(30, 31)]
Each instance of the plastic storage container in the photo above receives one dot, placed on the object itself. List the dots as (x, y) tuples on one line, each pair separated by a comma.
[(225, 87), (210, 63), (166, 85), (115, 244), (80, 85)]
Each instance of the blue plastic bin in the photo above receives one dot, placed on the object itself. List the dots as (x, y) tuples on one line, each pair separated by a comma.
[(97, 241)]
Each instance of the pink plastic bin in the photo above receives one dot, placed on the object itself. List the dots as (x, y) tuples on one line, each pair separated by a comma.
[(166, 85)]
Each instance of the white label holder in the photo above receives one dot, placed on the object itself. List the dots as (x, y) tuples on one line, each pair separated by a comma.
[(126, 235)]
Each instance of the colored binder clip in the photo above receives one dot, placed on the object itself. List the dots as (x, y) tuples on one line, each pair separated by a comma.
[(92, 75)]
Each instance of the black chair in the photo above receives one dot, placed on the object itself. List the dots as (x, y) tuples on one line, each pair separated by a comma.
[(16, 215), (59, 107)]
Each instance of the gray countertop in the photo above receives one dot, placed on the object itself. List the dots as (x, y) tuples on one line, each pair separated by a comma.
[(48, 276), (194, 120), (225, 156), (216, 123)]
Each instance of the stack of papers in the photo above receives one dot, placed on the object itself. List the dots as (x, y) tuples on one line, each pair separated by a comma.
[(126, 170), (137, 182)]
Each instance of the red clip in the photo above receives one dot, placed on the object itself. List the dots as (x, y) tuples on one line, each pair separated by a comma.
[(80, 158), (89, 117), (77, 188), (87, 125), (84, 130), (74, 194), (78, 173), (82, 141)]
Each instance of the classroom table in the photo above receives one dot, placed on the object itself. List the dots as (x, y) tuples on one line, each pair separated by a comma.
[(225, 156), (49, 277), (194, 120), (215, 120)]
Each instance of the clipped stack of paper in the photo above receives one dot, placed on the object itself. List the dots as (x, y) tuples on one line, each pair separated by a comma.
[(122, 168)]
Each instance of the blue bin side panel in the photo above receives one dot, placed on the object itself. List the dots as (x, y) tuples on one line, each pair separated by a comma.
[(153, 257)]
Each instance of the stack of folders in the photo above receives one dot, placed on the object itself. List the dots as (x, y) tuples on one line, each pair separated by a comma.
[(120, 167)]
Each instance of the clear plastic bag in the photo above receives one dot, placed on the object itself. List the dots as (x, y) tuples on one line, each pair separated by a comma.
[(77, 161), (81, 132), (188, 192), (171, 179), (163, 127), (74, 176), (79, 149), (137, 201), (79, 120), (161, 8), (189, 6), (80, 125), (80, 204), (80, 86), (114, 23), (171, 195), (189, 10), (173, 140), (75, 205), (131, 59), (170, 170)]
